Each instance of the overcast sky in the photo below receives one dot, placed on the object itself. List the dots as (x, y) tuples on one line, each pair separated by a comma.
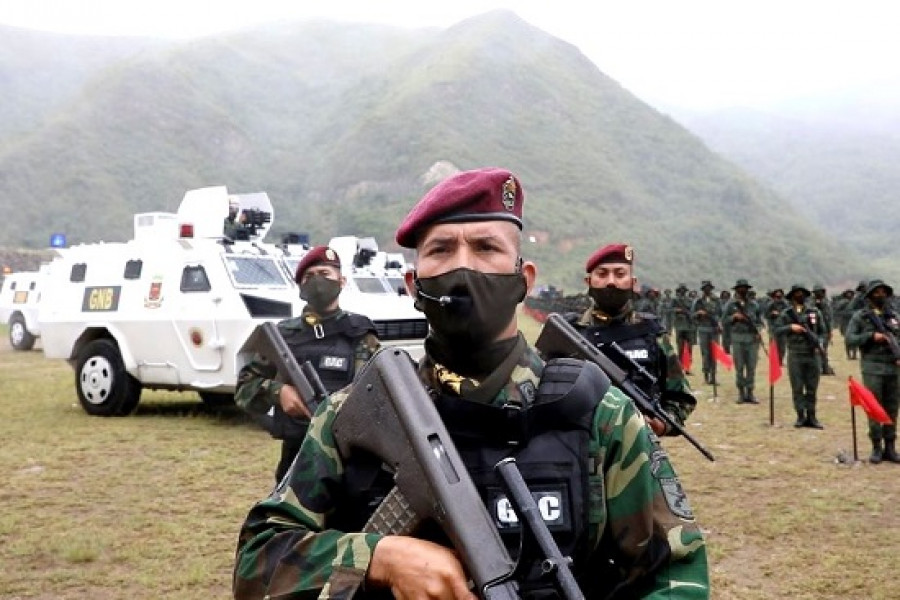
[(689, 53)]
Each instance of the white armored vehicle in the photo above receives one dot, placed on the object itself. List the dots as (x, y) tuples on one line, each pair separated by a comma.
[(172, 308), (19, 297)]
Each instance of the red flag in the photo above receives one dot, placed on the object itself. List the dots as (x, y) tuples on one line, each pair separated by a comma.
[(863, 397), (686, 357), (721, 356), (774, 362)]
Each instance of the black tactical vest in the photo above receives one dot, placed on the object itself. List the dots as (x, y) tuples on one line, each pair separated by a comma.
[(638, 341), (330, 347), (550, 442)]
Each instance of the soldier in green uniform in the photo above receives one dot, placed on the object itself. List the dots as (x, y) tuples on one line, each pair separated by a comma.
[(804, 363), (725, 298), (681, 321), (612, 318), (706, 313), (233, 227), (336, 342), (773, 309), (879, 365), (842, 316), (631, 534), (742, 313), (665, 311), (823, 303)]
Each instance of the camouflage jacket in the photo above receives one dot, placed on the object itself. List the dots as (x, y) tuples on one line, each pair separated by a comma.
[(258, 386), (676, 397), (287, 548), (876, 358)]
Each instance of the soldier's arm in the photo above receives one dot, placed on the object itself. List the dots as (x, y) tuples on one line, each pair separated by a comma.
[(257, 389), (676, 398), (365, 349), (857, 334), (285, 548), (656, 541)]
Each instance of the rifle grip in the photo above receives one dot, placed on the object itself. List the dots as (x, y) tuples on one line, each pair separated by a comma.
[(394, 516)]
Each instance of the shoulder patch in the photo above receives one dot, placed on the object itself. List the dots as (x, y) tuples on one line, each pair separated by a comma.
[(675, 497)]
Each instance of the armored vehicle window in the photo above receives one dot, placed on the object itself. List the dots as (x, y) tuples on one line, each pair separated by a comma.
[(32, 285), (193, 279), (133, 269), (255, 271), (398, 285), (370, 285), (12, 285), (78, 272)]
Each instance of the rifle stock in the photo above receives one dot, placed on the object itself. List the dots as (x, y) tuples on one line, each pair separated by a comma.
[(881, 328), (431, 480), (559, 339)]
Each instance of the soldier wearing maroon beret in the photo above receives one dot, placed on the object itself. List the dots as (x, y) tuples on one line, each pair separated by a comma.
[(334, 341), (613, 318), (499, 400)]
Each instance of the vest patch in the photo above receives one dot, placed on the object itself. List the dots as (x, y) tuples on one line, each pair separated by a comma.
[(675, 497), (551, 500), (638, 353), (334, 363)]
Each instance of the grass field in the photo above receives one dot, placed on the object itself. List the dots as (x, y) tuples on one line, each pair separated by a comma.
[(149, 506)]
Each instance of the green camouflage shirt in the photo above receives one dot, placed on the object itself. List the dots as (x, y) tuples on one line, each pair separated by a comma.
[(287, 549)]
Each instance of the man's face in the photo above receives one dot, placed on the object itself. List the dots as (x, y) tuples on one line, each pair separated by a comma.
[(878, 295), (617, 275), (488, 247), (741, 291), (798, 297)]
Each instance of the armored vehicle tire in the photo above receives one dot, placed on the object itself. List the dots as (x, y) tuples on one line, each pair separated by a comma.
[(217, 399), (104, 388), (19, 336)]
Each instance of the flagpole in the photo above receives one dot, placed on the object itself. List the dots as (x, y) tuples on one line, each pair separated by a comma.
[(853, 425), (771, 405)]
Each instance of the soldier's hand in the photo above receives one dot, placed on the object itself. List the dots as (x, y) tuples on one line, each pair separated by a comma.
[(738, 317), (796, 328), (879, 338), (417, 569), (657, 425), (291, 403)]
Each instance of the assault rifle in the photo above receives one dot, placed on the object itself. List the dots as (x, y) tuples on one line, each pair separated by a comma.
[(881, 328), (431, 481), (559, 339), (814, 341), (267, 340), (749, 320)]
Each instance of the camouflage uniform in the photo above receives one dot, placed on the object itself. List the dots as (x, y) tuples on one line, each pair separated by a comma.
[(842, 314), (708, 327), (804, 363), (665, 311), (639, 515), (672, 387), (773, 310), (879, 370), (258, 389), (745, 340)]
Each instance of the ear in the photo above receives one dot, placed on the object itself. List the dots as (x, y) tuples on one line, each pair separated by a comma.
[(343, 281), (409, 279), (529, 272), (587, 280)]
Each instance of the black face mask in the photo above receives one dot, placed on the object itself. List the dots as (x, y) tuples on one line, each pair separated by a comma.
[(878, 301), (320, 292), (610, 300), (469, 309)]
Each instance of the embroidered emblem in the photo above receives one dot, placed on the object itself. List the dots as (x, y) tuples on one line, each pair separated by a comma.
[(509, 194), (675, 497)]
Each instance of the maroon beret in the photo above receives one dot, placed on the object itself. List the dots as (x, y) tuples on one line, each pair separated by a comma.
[(611, 253), (489, 194), (318, 255)]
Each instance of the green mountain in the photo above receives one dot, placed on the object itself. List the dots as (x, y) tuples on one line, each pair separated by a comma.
[(836, 167), (345, 126)]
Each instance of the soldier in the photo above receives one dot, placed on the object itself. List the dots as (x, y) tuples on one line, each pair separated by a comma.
[(842, 316), (879, 364), (725, 298), (337, 343), (681, 311), (234, 228), (804, 364), (742, 313), (773, 310), (469, 279), (665, 309), (610, 273), (706, 313), (821, 301)]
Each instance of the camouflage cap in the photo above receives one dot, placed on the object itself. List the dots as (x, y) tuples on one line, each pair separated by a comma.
[(799, 287), (878, 283)]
